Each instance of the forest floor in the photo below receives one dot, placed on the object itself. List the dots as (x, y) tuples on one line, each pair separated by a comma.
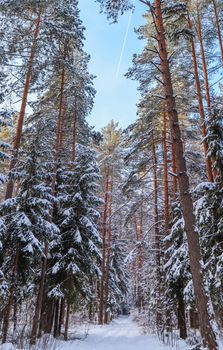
[(121, 334)]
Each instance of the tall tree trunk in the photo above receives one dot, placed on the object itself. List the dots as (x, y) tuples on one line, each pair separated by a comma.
[(108, 251), (74, 140), (206, 330), (103, 235), (67, 322), (218, 28), (56, 319), (61, 319), (17, 140), (8, 307), (36, 318), (157, 236), (204, 65), (200, 105), (174, 168), (165, 176), (136, 261), (181, 313)]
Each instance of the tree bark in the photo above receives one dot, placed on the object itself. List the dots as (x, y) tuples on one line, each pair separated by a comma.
[(56, 319), (103, 235), (200, 105), (218, 28), (181, 315), (8, 307), (204, 65), (165, 176), (174, 168), (17, 140), (74, 140), (108, 252), (67, 322), (207, 333), (157, 237), (61, 319), (36, 318)]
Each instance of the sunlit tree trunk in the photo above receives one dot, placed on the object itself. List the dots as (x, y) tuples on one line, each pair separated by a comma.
[(103, 236), (218, 28), (204, 65), (157, 236), (74, 140), (165, 176), (17, 140), (200, 106), (108, 250)]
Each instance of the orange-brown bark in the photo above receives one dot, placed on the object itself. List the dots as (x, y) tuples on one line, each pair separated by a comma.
[(165, 176), (218, 28), (74, 140), (103, 236), (108, 251), (18, 135), (200, 105)]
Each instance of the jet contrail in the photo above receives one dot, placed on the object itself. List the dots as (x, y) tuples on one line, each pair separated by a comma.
[(123, 45)]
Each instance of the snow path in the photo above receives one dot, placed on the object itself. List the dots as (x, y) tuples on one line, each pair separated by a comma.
[(121, 334)]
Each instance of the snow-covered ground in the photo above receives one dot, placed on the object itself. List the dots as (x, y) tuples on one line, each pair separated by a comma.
[(121, 334)]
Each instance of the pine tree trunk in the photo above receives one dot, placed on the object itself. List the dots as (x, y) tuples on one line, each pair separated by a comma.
[(206, 330), (36, 318), (218, 28), (67, 322), (108, 252), (46, 317), (8, 307), (200, 106), (59, 129), (181, 314), (16, 144), (61, 319), (74, 140), (103, 235), (157, 237), (165, 176), (136, 262), (56, 319), (204, 65), (174, 168)]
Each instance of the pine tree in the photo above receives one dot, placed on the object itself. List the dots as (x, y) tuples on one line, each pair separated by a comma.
[(27, 222)]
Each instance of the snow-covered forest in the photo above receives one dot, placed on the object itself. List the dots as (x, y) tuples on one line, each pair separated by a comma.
[(98, 224)]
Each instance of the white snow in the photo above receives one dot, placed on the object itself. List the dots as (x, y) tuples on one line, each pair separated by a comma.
[(121, 334)]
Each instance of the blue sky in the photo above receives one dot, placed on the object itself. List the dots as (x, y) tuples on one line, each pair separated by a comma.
[(116, 96)]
